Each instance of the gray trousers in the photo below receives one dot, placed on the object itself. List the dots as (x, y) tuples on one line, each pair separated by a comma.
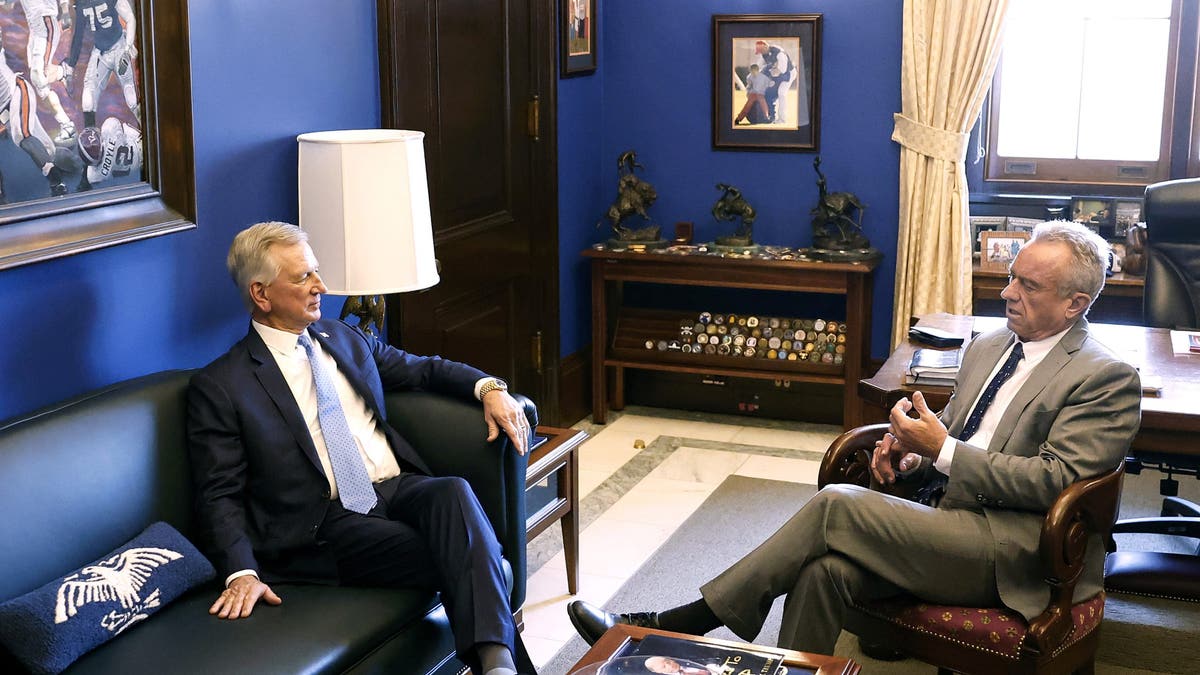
[(851, 544)]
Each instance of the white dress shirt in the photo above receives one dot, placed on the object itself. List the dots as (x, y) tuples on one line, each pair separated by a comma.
[(1034, 353), (364, 427)]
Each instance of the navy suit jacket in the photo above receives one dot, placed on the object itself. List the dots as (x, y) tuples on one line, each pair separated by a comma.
[(261, 491)]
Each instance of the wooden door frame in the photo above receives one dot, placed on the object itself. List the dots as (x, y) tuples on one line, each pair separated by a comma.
[(544, 247)]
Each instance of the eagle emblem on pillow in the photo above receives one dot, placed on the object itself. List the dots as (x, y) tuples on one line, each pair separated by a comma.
[(120, 578)]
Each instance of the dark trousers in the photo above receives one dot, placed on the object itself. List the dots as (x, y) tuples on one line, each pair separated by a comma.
[(430, 533)]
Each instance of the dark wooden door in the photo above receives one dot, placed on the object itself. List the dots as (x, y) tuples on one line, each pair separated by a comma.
[(477, 76)]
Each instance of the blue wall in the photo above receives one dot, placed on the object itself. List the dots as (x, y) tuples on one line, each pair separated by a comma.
[(653, 93), (259, 77)]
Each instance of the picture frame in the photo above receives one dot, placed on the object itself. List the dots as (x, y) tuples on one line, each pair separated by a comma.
[(1126, 214), (577, 37), (779, 55), (998, 248), (981, 224), (1094, 212), (38, 225)]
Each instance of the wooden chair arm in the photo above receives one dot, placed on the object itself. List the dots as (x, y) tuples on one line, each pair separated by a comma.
[(1085, 508), (848, 460)]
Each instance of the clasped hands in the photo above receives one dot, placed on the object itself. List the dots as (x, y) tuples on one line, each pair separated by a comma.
[(908, 439)]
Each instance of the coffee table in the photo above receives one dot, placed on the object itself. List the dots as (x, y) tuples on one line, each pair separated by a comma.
[(617, 637)]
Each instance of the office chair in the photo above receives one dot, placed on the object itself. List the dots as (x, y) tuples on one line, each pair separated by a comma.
[(1172, 300), (1062, 639)]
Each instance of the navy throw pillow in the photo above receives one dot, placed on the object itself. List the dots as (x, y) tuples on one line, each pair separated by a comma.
[(47, 629)]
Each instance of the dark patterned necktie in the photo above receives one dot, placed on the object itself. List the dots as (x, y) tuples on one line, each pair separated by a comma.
[(353, 484), (931, 492), (985, 401)]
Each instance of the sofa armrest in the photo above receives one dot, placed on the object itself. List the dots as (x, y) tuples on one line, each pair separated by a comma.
[(451, 437)]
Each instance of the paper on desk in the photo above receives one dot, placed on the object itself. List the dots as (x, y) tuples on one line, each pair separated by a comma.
[(1181, 341)]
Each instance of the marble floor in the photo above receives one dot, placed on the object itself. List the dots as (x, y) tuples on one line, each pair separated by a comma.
[(641, 476)]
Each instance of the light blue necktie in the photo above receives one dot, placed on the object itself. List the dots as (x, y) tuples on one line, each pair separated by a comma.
[(353, 483)]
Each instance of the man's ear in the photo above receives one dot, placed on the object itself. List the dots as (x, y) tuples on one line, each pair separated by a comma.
[(258, 295), (1079, 304)]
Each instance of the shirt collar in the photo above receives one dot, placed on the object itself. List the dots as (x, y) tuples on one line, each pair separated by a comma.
[(1036, 349), (281, 341)]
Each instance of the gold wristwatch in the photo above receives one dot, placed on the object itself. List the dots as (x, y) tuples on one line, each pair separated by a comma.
[(492, 385)]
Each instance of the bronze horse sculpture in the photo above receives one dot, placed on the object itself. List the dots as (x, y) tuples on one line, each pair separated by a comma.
[(634, 196), (833, 225), (732, 206)]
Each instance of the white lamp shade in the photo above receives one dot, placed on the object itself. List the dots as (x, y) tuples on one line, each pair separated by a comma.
[(364, 202)]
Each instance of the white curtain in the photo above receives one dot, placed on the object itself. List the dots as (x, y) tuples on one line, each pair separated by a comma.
[(950, 52)]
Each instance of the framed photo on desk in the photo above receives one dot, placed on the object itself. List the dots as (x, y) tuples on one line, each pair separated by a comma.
[(999, 248)]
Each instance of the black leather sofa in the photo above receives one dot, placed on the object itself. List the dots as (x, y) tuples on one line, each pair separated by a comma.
[(83, 477)]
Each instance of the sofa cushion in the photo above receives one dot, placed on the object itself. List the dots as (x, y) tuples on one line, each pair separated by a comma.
[(50, 627)]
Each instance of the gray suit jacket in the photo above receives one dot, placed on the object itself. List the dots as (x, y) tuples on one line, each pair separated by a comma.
[(1074, 418)]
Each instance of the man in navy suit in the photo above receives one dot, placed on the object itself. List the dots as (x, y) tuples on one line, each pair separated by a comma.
[(264, 457)]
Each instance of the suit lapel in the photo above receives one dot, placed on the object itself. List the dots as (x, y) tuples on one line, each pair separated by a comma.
[(1039, 379), (347, 367), (271, 378), (990, 352)]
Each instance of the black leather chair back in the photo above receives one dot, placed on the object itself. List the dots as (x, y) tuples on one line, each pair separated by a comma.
[(1172, 295)]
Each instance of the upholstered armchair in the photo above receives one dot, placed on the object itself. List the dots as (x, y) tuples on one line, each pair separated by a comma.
[(1062, 639), (1172, 300)]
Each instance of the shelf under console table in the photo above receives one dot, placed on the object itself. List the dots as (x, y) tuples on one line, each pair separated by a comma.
[(618, 331)]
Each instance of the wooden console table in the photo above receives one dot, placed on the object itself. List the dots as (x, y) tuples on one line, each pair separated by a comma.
[(619, 333), (557, 457)]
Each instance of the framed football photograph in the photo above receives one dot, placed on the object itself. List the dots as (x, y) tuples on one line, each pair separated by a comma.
[(766, 82), (100, 149)]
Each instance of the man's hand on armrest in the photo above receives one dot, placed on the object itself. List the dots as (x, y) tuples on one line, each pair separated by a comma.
[(238, 599), (502, 411)]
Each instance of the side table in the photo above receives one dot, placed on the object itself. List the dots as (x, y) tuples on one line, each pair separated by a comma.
[(555, 458)]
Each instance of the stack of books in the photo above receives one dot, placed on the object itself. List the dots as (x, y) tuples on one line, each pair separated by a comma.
[(936, 367)]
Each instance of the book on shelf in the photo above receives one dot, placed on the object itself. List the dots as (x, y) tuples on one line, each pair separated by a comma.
[(716, 659)]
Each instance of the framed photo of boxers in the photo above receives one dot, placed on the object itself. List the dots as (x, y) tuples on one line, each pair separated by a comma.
[(767, 82), (97, 146)]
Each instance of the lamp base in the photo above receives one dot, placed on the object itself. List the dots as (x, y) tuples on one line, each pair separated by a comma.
[(370, 309)]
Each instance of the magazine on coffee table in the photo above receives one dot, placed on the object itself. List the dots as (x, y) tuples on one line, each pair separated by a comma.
[(662, 655)]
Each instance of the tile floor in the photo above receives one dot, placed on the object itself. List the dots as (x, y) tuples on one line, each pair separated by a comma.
[(641, 476)]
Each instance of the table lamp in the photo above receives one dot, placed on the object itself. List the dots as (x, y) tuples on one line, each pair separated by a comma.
[(364, 203)]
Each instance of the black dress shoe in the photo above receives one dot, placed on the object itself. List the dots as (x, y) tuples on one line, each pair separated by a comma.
[(881, 652), (591, 622)]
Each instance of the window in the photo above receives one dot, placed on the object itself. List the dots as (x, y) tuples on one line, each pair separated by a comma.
[(1085, 92)]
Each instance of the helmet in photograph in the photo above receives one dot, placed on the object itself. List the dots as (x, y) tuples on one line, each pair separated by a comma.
[(90, 146)]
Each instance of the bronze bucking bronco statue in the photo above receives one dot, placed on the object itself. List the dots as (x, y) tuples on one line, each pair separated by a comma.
[(732, 206), (634, 196), (834, 224)]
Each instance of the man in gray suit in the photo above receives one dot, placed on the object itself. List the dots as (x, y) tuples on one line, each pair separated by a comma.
[(1038, 405)]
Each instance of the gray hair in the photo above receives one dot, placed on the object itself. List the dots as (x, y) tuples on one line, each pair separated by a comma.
[(1089, 256), (249, 257)]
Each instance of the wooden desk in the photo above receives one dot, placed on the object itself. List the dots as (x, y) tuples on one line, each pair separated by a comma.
[(556, 457), (1170, 422), (617, 637), (617, 342)]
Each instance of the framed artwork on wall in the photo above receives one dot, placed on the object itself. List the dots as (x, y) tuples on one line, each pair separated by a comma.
[(999, 248), (102, 152), (766, 81), (577, 37)]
